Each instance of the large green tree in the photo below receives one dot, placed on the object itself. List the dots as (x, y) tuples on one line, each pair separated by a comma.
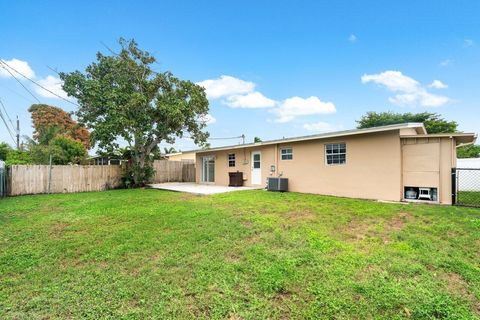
[(50, 121), (4, 149), (468, 151), (122, 97), (433, 122), (63, 150)]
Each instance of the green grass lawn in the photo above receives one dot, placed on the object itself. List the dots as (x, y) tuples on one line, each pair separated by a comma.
[(468, 198), (243, 255)]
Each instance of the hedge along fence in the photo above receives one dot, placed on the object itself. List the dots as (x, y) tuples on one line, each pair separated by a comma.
[(36, 179)]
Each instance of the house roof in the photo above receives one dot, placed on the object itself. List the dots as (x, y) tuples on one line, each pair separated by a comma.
[(461, 138), (419, 127)]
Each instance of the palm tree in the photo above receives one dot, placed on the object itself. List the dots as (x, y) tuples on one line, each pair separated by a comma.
[(169, 150)]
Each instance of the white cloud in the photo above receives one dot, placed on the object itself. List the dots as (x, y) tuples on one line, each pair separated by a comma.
[(226, 86), (409, 91), (208, 119), (250, 100), (352, 38), (446, 63), (237, 93), (468, 43), (422, 98), (294, 107), (321, 127), (53, 84), (392, 80), (20, 66), (437, 84)]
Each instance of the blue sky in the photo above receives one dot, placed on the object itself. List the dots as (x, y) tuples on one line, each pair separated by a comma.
[(271, 68)]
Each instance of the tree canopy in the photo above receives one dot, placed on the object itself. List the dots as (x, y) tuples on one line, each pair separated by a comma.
[(56, 134), (4, 149), (468, 151), (49, 121), (433, 122), (122, 97)]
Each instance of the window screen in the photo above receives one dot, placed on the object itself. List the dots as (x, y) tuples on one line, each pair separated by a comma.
[(336, 153), (231, 160), (256, 161), (286, 154)]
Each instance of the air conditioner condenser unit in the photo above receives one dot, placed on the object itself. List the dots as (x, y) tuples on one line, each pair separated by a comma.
[(277, 184)]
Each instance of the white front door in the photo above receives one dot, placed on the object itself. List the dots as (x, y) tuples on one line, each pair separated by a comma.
[(208, 169), (256, 168)]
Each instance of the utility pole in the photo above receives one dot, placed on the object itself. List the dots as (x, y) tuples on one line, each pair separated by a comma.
[(243, 138), (18, 134)]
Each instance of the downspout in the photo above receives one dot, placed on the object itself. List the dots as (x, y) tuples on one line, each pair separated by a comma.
[(402, 187), (277, 169)]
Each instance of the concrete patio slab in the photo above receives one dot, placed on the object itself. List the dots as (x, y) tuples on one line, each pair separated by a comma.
[(200, 189)]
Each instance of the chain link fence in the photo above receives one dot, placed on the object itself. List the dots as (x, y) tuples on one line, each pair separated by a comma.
[(467, 187)]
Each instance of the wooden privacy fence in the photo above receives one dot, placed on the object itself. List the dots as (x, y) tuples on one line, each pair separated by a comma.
[(173, 171), (34, 179)]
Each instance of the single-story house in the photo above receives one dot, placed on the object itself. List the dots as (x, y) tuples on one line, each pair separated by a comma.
[(180, 156), (393, 163)]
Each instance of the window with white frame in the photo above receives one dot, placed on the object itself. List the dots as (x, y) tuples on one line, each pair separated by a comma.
[(335, 153), (231, 159), (286, 153)]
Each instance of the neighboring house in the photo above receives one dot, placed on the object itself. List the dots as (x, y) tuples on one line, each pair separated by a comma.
[(181, 156), (104, 160), (376, 163), (468, 163)]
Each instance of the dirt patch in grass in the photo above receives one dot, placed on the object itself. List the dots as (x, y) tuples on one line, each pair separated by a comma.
[(455, 283), (247, 224), (356, 230), (398, 221), (156, 257), (458, 286), (253, 239), (303, 215), (395, 224), (365, 273), (232, 257), (298, 217), (57, 229)]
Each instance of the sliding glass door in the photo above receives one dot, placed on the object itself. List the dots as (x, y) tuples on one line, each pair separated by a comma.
[(208, 169)]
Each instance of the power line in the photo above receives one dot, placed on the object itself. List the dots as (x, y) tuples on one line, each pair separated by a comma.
[(36, 83), (8, 129), (17, 93), (18, 80), (6, 113)]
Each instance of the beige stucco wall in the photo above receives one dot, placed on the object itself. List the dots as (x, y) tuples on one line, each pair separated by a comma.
[(243, 163), (378, 166), (372, 171), (427, 162), (408, 131), (182, 156)]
